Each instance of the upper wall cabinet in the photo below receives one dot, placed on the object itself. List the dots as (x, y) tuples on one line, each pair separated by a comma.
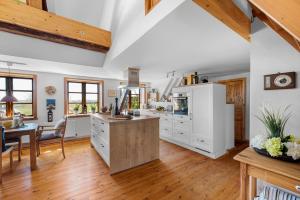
[(150, 4)]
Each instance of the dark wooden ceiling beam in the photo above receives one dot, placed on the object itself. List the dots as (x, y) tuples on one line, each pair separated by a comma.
[(18, 18), (228, 13)]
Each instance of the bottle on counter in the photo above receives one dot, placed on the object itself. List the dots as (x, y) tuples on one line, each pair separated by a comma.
[(117, 112), (196, 78)]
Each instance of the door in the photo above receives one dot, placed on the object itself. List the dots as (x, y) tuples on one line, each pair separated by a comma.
[(235, 94)]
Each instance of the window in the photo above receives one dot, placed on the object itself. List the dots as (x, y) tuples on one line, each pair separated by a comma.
[(134, 99), (22, 87), (150, 4), (83, 94)]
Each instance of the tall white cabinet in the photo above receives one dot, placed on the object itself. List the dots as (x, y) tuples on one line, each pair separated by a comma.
[(203, 130), (208, 129)]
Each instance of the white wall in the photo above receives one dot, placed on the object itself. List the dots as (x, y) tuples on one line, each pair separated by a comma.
[(247, 114), (272, 54), (130, 23)]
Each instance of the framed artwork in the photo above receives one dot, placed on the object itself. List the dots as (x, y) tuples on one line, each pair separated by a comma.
[(279, 81), (112, 93), (51, 102)]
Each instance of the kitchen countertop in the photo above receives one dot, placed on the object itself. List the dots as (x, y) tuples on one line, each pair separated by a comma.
[(107, 118)]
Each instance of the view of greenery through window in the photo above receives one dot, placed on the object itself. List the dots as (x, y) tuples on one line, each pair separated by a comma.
[(134, 98), (22, 89), (83, 94)]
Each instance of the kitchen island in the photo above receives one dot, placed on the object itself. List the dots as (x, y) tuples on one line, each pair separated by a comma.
[(124, 144)]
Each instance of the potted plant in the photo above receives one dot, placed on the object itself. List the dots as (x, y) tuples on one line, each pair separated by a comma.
[(276, 144), (93, 108), (76, 108)]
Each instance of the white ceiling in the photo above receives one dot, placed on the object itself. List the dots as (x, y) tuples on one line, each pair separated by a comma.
[(188, 39)]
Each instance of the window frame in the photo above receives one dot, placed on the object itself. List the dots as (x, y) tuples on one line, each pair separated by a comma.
[(130, 95), (100, 86), (9, 106)]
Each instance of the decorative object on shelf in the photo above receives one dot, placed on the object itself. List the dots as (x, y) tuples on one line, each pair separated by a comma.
[(112, 93), (104, 109), (84, 109), (93, 108), (50, 90), (76, 109), (116, 107), (110, 107), (204, 79), (280, 81), (196, 78), (276, 144)]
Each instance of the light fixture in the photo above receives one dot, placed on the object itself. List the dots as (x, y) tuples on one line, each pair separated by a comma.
[(9, 96)]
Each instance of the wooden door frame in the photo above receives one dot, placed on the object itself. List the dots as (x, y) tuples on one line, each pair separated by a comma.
[(244, 80)]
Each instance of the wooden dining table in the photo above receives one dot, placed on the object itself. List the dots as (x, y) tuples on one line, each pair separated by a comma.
[(28, 129)]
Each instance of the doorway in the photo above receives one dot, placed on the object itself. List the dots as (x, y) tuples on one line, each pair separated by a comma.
[(236, 94)]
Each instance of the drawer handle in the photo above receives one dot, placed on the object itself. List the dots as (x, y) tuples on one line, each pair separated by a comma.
[(297, 187), (102, 145), (102, 131), (181, 133), (181, 122), (166, 129), (102, 123), (202, 141)]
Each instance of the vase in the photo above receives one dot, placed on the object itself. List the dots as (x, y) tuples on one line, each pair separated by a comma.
[(284, 157)]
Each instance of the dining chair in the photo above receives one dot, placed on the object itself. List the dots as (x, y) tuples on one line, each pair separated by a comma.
[(52, 132), (17, 140), (6, 149)]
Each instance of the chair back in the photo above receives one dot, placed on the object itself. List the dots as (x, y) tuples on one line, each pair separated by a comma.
[(2, 130), (61, 126)]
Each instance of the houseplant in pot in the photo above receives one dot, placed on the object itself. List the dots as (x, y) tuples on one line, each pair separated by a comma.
[(275, 143), (76, 109), (93, 108)]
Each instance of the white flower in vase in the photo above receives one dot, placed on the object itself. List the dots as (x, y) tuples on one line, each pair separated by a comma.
[(258, 141), (293, 150)]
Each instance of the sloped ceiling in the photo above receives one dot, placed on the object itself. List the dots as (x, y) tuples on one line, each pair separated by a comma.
[(188, 39)]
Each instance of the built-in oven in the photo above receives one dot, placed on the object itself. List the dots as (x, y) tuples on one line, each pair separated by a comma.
[(181, 103)]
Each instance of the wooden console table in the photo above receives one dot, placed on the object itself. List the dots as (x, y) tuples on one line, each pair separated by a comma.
[(254, 166)]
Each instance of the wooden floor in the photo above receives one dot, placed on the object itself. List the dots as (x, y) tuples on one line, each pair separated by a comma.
[(179, 174)]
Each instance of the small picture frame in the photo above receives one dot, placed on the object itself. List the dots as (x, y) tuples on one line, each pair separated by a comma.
[(112, 93), (51, 102), (280, 81)]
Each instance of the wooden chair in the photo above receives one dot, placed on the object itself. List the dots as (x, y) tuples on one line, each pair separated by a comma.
[(17, 140), (6, 149), (50, 132)]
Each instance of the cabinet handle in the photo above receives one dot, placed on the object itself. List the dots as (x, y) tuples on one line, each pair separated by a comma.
[(201, 140), (181, 122), (181, 133), (297, 187), (102, 123), (102, 131), (102, 145), (166, 129)]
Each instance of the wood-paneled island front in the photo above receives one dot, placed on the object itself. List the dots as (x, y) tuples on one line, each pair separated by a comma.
[(124, 144)]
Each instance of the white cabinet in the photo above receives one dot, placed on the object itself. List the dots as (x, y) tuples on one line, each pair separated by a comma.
[(100, 137), (203, 131), (78, 127)]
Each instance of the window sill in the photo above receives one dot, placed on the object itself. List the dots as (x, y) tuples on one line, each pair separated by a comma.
[(25, 119)]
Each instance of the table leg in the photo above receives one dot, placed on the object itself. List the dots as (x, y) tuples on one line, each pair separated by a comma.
[(253, 187), (33, 151), (244, 182)]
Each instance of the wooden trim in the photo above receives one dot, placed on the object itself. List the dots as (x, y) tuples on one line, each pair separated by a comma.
[(228, 13), (35, 3), (34, 91), (244, 82), (276, 27), (18, 18), (149, 5), (87, 81)]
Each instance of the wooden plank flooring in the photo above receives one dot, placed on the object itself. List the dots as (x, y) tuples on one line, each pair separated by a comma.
[(179, 174)]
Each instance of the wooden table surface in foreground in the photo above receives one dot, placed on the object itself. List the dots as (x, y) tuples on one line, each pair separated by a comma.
[(254, 166), (28, 129)]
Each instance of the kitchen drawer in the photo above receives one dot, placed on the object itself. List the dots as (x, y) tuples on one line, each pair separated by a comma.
[(182, 124), (182, 136), (201, 143), (101, 147), (166, 131), (181, 117), (166, 121)]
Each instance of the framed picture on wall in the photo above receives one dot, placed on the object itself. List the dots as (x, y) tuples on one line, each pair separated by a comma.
[(112, 93), (279, 81)]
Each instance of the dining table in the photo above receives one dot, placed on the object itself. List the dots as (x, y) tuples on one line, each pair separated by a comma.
[(27, 129)]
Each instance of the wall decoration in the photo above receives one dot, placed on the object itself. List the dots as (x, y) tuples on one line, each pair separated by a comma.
[(50, 90), (278, 81), (51, 102), (50, 106), (112, 93)]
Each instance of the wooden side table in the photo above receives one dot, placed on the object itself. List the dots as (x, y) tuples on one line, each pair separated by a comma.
[(254, 166)]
